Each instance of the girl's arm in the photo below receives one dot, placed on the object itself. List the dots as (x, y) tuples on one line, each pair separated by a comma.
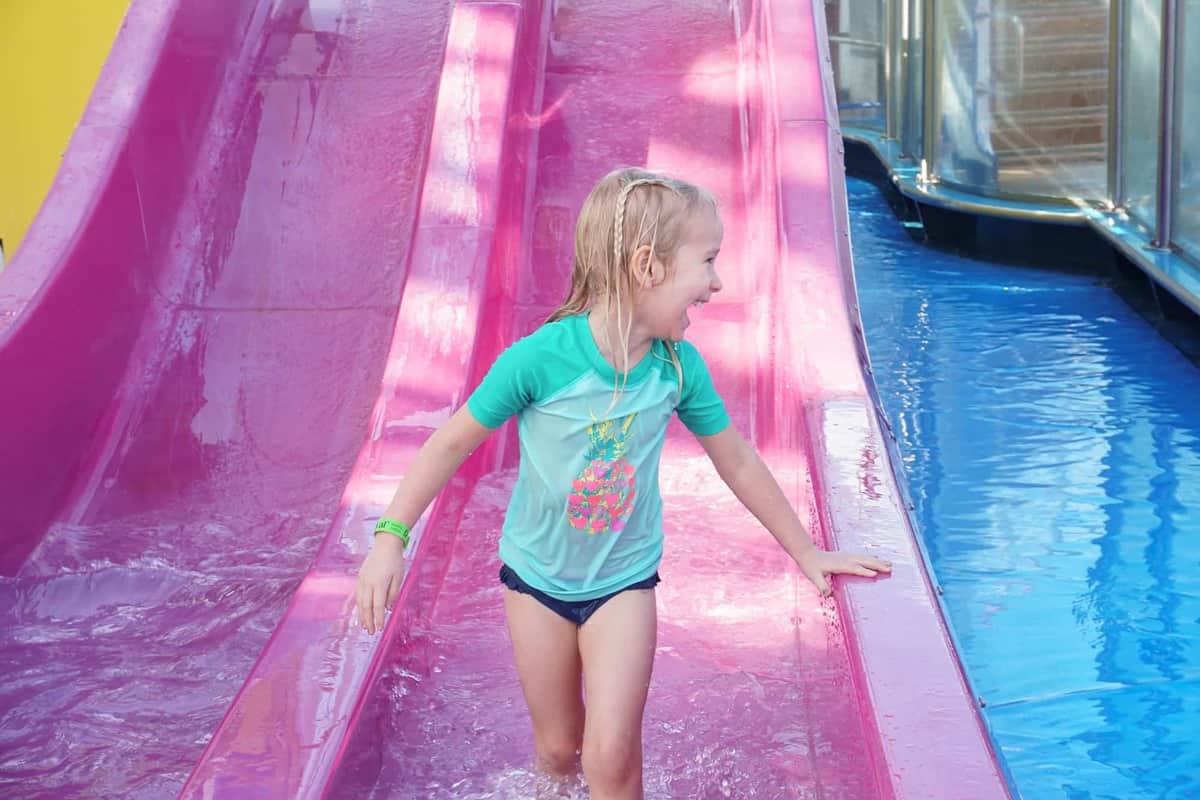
[(438, 459), (740, 466), (435, 463)]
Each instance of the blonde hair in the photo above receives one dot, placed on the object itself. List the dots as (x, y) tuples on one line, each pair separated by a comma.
[(628, 209)]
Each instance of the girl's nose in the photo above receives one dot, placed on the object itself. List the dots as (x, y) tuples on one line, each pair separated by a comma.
[(716, 284)]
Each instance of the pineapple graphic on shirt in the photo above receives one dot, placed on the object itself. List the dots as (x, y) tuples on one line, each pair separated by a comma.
[(602, 495)]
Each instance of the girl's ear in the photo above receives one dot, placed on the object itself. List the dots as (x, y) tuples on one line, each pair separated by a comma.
[(643, 266)]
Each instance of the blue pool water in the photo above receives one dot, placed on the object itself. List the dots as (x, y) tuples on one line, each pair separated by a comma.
[(1051, 442)]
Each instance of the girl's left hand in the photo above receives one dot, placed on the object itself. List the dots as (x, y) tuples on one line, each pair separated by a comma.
[(817, 564)]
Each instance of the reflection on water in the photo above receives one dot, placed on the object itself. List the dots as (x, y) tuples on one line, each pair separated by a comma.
[(1052, 444)]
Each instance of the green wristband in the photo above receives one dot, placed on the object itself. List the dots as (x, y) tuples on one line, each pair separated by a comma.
[(398, 529)]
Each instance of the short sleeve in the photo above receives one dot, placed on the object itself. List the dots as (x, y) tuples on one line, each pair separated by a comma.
[(508, 387), (700, 408)]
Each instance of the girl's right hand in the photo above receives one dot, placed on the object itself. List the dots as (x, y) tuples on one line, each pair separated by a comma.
[(379, 581)]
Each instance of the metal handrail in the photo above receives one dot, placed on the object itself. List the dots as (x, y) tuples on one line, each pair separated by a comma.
[(837, 38), (1019, 26)]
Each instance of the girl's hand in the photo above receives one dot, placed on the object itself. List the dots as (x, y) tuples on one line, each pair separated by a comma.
[(816, 564), (379, 581)]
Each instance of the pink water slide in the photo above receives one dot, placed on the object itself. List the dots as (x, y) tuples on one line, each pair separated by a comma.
[(287, 239)]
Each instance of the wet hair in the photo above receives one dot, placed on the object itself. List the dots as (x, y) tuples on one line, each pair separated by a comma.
[(628, 209)]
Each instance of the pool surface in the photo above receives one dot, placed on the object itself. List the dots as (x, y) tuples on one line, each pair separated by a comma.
[(1051, 441)]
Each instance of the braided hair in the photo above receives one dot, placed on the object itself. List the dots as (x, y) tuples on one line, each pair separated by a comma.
[(628, 209)]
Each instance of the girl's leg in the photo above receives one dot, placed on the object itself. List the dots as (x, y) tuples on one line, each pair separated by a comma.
[(546, 648), (617, 644)]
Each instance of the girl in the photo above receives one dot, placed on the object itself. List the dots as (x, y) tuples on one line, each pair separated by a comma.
[(593, 390)]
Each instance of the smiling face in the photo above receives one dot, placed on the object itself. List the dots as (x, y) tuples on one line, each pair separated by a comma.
[(689, 280)]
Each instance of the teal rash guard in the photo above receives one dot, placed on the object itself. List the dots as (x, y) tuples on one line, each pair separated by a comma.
[(585, 518)]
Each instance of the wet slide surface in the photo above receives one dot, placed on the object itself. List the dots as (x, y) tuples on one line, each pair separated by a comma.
[(751, 695), (126, 634)]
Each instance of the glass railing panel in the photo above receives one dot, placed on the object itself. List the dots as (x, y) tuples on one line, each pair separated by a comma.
[(964, 147), (1141, 50), (1023, 97), (856, 47)]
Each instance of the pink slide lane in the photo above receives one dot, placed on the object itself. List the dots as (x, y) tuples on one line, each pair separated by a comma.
[(286, 243), (191, 340)]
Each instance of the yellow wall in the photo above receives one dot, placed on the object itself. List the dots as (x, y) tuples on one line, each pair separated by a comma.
[(50, 54)]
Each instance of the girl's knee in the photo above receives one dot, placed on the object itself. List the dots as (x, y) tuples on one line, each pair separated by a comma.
[(558, 756), (612, 761)]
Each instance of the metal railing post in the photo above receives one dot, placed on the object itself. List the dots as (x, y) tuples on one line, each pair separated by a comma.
[(891, 68), (931, 50), (1116, 101), (910, 32), (1164, 190)]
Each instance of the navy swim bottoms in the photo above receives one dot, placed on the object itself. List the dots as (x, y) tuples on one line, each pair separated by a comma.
[(576, 611)]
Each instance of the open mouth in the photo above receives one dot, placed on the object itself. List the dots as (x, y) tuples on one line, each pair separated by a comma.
[(693, 304)]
